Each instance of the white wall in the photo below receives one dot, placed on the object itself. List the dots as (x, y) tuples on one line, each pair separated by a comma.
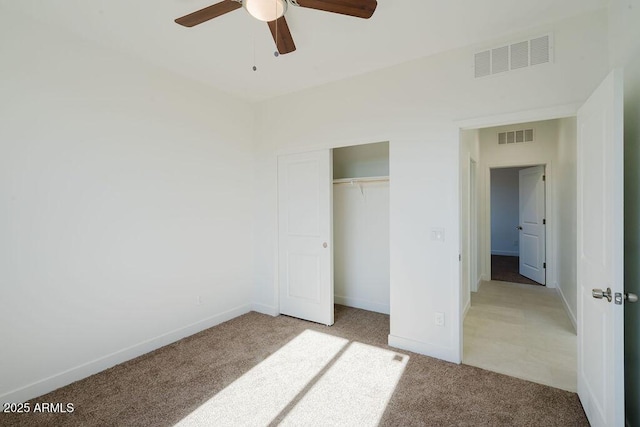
[(361, 245), (361, 160), (566, 214), (505, 211), (416, 107), (125, 194)]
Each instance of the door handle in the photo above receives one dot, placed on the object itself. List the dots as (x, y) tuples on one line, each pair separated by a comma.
[(630, 297), (518, 227), (600, 294)]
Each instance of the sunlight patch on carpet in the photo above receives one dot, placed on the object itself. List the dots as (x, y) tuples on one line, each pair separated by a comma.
[(315, 379), (261, 394), (354, 391)]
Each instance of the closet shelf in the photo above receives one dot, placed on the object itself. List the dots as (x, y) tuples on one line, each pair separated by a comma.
[(361, 179)]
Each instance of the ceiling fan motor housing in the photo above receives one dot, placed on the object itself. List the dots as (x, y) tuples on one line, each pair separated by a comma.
[(266, 10)]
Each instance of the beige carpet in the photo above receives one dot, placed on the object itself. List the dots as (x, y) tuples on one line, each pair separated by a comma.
[(260, 370)]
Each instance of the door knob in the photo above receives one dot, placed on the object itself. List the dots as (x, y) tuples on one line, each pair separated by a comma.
[(599, 294), (630, 297), (518, 227)]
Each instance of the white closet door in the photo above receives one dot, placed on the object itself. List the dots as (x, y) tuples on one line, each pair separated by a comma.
[(305, 231)]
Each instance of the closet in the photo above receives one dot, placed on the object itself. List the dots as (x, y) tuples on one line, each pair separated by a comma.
[(361, 226)]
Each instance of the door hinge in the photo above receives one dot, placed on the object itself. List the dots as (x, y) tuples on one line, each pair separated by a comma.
[(544, 177), (544, 265), (459, 257), (544, 221)]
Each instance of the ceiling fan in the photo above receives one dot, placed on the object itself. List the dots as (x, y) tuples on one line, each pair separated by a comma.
[(272, 12)]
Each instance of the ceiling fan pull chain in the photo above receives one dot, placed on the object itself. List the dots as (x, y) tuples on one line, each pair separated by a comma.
[(277, 52), (253, 36)]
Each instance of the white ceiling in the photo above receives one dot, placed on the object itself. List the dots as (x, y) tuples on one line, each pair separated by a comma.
[(222, 52)]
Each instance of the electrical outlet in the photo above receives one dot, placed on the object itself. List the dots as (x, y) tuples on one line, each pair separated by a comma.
[(439, 319)]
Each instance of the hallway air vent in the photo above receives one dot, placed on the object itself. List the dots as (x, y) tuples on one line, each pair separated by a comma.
[(518, 55), (515, 136)]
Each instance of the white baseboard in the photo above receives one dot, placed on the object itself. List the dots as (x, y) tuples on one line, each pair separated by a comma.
[(565, 304), (473, 287), (45, 385), (466, 308), (265, 309), (361, 303), (428, 349), (506, 253)]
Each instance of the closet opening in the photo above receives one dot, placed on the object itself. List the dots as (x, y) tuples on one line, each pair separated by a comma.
[(361, 226)]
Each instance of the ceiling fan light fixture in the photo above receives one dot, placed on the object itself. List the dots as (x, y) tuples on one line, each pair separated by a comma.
[(266, 10)]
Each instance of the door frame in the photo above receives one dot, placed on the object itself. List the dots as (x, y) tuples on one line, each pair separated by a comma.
[(548, 113), (300, 150), (550, 237), (474, 277)]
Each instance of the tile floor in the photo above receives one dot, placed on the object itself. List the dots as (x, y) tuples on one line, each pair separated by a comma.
[(522, 331)]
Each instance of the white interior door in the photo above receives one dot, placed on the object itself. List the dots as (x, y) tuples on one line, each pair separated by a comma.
[(532, 227), (305, 258), (600, 254)]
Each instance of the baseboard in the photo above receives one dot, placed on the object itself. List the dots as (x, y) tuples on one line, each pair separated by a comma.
[(265, 309), (506, 253), (565, 304), (361, 303), (69, 376), (466, 308), (428, 349)]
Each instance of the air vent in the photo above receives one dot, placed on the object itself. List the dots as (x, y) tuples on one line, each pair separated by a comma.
[(515, 136), (514, 56), (539, 50), (500, 60), (519, 55), (483, 64)]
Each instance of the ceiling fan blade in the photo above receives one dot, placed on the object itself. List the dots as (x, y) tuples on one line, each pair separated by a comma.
[(282, 36), (357, 8), (208, 13)]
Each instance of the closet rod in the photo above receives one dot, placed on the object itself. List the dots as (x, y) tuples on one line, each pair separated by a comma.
[(363, 179)]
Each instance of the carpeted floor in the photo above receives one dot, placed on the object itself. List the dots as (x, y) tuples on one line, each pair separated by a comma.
[(163, 387), (507, 269)]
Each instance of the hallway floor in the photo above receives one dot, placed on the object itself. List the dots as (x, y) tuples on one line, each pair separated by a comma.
[(522, 331), (506, 269)]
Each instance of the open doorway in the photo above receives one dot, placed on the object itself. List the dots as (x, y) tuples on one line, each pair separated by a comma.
[(518, 222), (361, 226), (332, 196), (517, 329)]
